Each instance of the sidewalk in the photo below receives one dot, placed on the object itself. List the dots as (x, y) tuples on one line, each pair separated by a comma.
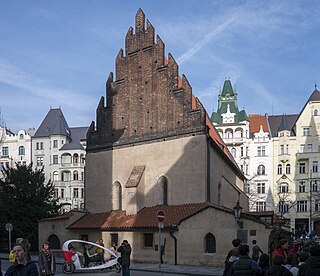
[(146, 267)]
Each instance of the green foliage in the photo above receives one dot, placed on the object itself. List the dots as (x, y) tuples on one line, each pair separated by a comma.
[(25, 198)]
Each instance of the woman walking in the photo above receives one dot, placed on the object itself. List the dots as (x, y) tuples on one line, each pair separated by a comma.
[(46, 260)]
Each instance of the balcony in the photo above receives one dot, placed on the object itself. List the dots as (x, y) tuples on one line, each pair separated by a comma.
[(234, 140), (71, 165), (306, 155)]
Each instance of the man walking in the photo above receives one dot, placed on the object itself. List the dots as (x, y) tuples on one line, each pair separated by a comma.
[(255, 251), (125, 251), (245, 265)]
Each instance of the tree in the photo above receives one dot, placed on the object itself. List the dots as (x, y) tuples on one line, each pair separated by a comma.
[(25, 198)]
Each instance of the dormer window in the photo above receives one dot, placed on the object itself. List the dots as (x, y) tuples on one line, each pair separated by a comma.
[(316, 112), (306, 131)]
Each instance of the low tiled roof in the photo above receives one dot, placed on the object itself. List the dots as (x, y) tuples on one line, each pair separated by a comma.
[(256, 121), (145, 218), (77, 134)]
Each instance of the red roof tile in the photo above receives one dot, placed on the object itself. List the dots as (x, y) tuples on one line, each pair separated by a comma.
[(256, 121), (145, 218)]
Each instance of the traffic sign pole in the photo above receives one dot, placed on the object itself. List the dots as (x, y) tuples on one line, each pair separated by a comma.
[(9, 228), (160, 218)]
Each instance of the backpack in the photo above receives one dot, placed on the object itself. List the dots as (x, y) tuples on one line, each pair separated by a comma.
[(302, 269)]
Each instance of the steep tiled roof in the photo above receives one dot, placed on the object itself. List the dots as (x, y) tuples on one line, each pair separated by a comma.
[(275, 123), (77, 134), (315, 96), (256, 121), (53, 124), (227, 88), (145, 218)]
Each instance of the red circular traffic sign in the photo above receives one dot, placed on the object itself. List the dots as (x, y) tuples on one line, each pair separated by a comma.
[(160, 216)]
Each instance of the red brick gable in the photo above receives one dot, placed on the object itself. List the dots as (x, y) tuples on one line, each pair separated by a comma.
[(145, 218)]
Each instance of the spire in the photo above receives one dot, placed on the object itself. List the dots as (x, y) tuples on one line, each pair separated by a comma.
[(315, 85), (227, 88)]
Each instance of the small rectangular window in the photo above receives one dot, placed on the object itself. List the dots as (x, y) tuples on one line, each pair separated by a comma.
[(306, 131), (55, 143), (55, 159), (302, 168), (5, 151), (114, 240), (75, 192), (148, 240)]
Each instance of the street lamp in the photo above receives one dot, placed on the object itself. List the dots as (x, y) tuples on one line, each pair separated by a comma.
[(237, 213)]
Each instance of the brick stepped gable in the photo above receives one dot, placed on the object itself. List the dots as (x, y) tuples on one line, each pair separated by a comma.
[(148, 100)]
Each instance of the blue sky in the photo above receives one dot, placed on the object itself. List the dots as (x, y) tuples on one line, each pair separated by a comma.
[(59, 53)]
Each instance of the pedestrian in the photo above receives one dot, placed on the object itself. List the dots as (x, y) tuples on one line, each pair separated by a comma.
[(291, 263), (302, 266), (245, 265), (277, 268), (46, 260), (27, 246), (282, 249), (232, 256), (100, 251), (264, 263), (256, 251), (125, 251), (313, 262), (21, 266)]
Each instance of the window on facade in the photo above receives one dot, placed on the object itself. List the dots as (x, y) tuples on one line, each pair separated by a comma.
[(41, 145), (247, 188), (147, 239), (234, 152), (56, 191), (5, 151), (21, 136), (301, 149), (287, 149), (82, 192), (283, 207), (288, 169), (39, 161), (55, 176), (75, 158), (302, 186), (261, 170), (247, 151), (82, 176), (55, 159), (283, 188), (309, 147), (306, 131), (37, 146), (317, 205), (55, 143), (261, 188), (62, 193), (315, 185), (279, 169), (75, 175), (302, 168), (261, 151), (114, 240), (281, 149), (210, 243), (260, 206), (241, 151), (316, 112), (302, 206), (21, 150), (315, 166), (75, 192)]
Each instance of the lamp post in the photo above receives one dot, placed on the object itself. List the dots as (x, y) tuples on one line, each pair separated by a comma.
[(237, 214)]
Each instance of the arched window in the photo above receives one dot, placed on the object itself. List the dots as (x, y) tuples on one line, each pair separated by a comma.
[(55, 176), (21, 150), (116, 196), (234, 152), (279, 169), (54, 242), (75, 158), (163, 186), (261, 170), (21, 136), (75, 175), (210, 243), (316, 112), (288, 169)]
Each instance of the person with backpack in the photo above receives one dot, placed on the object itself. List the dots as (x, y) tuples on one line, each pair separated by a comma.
[(232, 256), (245, 265), (302, 266), (278, 268)]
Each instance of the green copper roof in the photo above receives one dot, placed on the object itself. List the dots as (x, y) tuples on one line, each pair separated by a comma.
[(228, 97), (227, 88)]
